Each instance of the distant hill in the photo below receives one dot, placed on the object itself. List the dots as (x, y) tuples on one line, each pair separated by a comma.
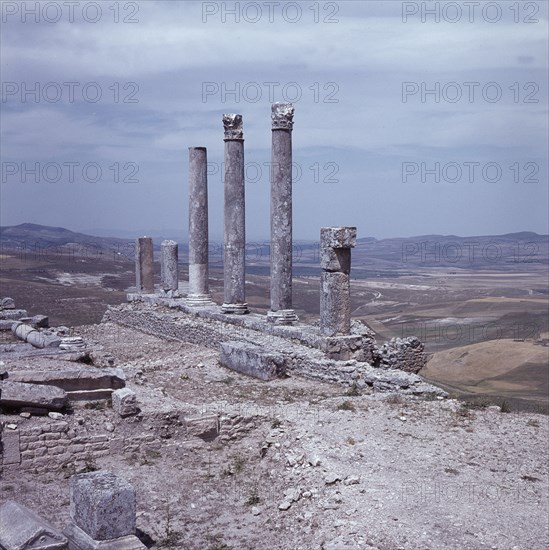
[(510, 251)]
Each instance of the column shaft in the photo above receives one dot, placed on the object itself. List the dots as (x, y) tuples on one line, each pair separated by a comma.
[(198, 228), (169, 269), (144, 266), (234, 252)]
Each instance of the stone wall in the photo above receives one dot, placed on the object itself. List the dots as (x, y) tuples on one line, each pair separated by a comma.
[(45, 446), (301, 359)]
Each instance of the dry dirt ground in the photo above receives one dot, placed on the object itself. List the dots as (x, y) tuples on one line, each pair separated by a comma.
[(307, 465)]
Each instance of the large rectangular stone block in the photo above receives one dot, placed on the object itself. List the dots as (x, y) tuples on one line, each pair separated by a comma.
[(19, 394), (22, 529), (252, 360), (337, 237), (11, 453), (336, 259), (102, 505), (74, 379)]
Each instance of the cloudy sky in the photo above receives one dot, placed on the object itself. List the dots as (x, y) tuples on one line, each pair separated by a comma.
[(411, 118)]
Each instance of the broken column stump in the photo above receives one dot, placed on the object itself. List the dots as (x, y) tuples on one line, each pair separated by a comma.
[(35, 337), (335, 295), (102, 509), (144, 264), (252, 360), (169, 269), (22, 529)]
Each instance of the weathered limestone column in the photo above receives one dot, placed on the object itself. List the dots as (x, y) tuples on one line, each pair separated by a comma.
[(335, 296), (234, 252), (169, 271), (198, 229), (144, 272), (281, 215)]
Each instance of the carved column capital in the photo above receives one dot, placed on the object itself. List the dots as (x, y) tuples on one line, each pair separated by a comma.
[(282, 116), (233, 127)]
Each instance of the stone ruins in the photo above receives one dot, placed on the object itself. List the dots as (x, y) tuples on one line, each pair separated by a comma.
[(275, 344)]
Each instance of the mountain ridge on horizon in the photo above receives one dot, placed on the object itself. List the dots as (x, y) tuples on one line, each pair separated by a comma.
[(58, 234)]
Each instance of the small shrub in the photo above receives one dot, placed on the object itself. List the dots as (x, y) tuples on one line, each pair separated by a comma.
[(533, 422), (253, 499), (353, 391), (276, 423), (394, 399), (505, 407), (351, 441)]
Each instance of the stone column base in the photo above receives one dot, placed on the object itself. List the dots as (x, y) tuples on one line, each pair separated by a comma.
[(235, 309), (199, 300), (343, 348), (80, 540), (282, 317), (169, 293)]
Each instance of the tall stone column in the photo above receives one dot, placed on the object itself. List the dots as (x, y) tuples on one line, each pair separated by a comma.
[(144, 272), (281, 214), (169, 270), (335, 296), (234, 251), (199, 295)]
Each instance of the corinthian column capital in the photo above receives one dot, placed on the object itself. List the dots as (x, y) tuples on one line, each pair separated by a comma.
[(282, 116), (233, 127)]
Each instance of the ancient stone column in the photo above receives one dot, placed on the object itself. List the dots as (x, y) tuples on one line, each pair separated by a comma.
[(144, 273), (198, 229), (169, 271), (335, 262), (234, 251), (281, 215)]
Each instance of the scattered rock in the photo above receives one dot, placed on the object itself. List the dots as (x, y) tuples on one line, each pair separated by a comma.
[(351, 480), (55, 415), (330, 479), (285, 505)]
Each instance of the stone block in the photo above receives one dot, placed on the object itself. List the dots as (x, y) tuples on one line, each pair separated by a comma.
[(22, 529), (18, 395), (102, 505), (252, 360), (124, 402), (205, 427), (13, 314), (6, 324), (40, 321), (11, 452), (7, 303), (343, 348), (78, 540), (337, 237), (74, 379), (336, 259)]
